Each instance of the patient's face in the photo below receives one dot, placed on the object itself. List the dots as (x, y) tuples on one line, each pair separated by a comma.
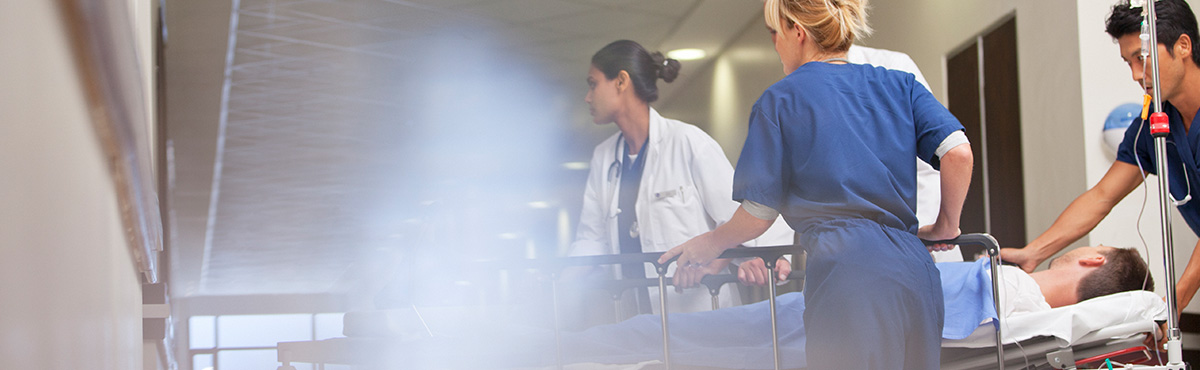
[(1074, 255)]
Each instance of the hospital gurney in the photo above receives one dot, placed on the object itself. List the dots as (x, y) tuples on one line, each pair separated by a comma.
[(1095, 327), (355, 350), (1085, 334), (769, 254)]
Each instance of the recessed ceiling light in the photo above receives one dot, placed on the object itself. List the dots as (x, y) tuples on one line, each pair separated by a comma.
[(687, 54), (575, 165), (508, 236), (539, 204)]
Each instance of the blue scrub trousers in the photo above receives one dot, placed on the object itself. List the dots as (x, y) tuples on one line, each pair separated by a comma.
[(873, 296)]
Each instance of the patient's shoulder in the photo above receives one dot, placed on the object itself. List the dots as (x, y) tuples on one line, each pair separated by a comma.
[(1019, 292)]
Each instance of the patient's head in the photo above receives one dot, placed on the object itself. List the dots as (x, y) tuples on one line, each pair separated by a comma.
[(1120, 270)]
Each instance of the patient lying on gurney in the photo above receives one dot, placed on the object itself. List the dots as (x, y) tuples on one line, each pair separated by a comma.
[(739, 337)]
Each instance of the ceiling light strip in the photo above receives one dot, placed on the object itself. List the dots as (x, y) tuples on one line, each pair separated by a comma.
[(214, 196)]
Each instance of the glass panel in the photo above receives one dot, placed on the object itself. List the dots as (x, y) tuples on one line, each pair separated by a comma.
[(257, 359), (202, 362), (262, 330), (200, 333), (347, 367), (329, 325)]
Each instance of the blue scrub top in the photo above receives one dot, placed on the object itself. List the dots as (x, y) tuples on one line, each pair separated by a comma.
[(836, 141), (1182, 157)]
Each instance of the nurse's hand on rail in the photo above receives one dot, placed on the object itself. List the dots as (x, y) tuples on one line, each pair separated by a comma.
[(1020, 256), (688, 277), (754, 272), (930, 232)]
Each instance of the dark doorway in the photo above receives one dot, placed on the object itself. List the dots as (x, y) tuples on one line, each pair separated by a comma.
[(983, 93)]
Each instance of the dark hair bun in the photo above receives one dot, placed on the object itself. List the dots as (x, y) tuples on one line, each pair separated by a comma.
[(644, 68), (668, 69)]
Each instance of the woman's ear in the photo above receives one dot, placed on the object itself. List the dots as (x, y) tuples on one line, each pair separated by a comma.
[(623, 81)]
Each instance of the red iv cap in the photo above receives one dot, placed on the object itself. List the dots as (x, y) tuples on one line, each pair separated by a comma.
[(1158, 123)]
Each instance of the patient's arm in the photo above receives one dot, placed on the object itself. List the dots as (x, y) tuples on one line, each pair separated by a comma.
[(1079, 218)]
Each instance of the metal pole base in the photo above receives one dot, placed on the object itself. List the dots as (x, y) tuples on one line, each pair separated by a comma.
[(774, 326)]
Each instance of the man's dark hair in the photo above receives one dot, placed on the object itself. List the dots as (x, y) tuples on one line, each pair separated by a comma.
[(1175, 18), (1123, 270)]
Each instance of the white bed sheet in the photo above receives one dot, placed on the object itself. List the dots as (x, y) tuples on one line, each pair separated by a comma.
[(1101, 317)]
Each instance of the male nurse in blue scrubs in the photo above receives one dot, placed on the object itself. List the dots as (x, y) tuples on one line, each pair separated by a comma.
[(1179, 79)]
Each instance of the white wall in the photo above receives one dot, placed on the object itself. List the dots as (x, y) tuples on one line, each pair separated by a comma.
[(150, 358), (72, 299)]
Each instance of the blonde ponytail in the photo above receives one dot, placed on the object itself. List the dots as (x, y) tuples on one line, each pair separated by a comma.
[(833, 24)]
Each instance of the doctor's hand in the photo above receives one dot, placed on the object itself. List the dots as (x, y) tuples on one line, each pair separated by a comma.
[(1021, 256), (754, 272), (686, 278)]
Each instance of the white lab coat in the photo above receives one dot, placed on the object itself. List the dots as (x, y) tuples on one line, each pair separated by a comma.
[(686, 190), (929, 180)]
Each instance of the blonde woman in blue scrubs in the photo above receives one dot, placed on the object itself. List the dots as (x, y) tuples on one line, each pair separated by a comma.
[(832, 147)]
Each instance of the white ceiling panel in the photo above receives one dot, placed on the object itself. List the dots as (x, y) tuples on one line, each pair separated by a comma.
[(360, 128), (603, 22), (519, 12), (672, 8)]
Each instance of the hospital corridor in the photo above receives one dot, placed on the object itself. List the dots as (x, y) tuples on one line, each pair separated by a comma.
[(599, 184)]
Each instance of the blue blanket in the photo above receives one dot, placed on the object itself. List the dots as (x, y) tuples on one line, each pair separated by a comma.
[(740, 337), (734, 338)]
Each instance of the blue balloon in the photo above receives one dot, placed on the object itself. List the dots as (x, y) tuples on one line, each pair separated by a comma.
[(1122, 116)]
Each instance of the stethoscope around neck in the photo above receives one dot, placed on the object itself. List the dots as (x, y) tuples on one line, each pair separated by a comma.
[(1187, 181), (615, 168), (1183, 167)]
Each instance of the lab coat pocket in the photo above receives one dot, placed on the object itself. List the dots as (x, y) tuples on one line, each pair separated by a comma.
[(677, 213), (676, 195)]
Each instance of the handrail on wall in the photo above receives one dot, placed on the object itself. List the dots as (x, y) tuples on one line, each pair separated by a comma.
[(102, 42)]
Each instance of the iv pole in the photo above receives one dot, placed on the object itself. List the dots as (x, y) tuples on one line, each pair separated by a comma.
[(1159, 129)]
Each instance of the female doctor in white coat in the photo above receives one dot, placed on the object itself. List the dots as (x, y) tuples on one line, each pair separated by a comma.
[(657, 182)]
